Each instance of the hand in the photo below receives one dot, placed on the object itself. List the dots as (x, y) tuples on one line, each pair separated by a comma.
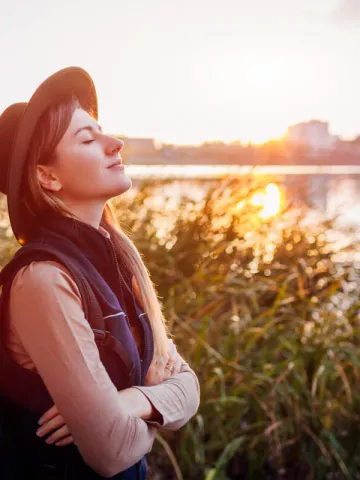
[(52, 421), (162, 368)]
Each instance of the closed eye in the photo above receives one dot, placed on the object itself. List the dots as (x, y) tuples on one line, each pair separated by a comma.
[(89, 141)]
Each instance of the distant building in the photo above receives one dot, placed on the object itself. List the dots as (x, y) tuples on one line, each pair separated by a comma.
[(141, 150), (314, 134), (350, 146), (142, 145)]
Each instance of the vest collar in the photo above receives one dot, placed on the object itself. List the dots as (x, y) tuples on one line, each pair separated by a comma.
[(94, 244)]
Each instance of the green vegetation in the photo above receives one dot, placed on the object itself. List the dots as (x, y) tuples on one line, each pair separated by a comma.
[(269, 322), (8, 244)]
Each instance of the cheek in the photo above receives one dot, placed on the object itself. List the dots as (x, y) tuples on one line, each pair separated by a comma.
[(83, 174), (82, 166)]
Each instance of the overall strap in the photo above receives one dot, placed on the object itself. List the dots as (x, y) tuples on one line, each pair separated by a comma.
[(91, 305), (41, 252)]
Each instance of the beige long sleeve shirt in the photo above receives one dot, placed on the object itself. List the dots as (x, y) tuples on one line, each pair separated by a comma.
[(49, 334)]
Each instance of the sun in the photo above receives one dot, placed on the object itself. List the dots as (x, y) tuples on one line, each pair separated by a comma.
[(270, 200), (250, 93)]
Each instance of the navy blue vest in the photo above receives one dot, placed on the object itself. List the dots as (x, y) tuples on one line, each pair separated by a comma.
[(102, 279)]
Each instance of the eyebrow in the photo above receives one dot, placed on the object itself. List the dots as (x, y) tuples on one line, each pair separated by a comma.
[(89, 128)]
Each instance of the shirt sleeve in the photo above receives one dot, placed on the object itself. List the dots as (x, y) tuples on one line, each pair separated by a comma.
[(176, 399), (46, 312)]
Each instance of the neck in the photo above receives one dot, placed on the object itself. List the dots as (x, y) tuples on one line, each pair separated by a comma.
[(89, 213)]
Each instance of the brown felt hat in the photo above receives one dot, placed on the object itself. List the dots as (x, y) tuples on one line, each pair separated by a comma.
[(17, 126)]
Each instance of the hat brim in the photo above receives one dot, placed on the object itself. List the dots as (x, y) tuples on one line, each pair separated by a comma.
[(66, 83)]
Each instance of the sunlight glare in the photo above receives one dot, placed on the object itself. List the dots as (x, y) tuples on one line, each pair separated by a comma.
[(270, 200)]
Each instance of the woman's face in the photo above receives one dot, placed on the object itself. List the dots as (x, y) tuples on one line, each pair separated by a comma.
[(87, 166)]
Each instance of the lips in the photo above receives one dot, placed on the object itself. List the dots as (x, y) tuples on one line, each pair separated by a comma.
[(117, 163)]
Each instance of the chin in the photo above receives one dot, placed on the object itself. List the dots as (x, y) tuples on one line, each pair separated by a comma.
[(122, 187)]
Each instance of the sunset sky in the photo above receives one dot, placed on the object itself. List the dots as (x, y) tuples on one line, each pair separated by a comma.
[(188, 71)]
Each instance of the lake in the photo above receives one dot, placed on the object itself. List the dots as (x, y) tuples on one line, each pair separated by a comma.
[(331, 189)]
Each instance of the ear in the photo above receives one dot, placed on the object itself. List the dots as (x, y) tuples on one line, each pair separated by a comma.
[(47, 178)]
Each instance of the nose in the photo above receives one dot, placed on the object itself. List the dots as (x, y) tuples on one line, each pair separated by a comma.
[(114, 145)]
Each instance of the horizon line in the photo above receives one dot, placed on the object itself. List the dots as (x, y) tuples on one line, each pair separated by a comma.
[(342, 138)]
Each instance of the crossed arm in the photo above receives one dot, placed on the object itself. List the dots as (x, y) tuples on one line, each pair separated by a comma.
[(58, 339)]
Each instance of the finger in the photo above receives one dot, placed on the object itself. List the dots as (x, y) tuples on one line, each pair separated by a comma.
[(174, 362), (51, 425), (154, 374), (172, 348), (162, 360), (178, 364), (172, 358), (152, 377), (168, 371), (51, 413), (60, 434), (65, 441)]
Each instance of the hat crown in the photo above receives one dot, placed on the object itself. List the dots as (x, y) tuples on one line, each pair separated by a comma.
[(9, 123)]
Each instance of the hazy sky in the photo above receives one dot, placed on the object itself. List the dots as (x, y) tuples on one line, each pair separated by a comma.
[(186, 71)]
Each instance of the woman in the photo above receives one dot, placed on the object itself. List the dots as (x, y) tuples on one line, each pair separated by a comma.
[(83, 341)]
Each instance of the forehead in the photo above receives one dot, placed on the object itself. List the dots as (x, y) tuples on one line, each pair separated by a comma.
[(79, 119)]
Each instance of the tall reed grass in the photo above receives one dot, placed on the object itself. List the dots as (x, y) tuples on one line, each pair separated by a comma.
[(268, 319)]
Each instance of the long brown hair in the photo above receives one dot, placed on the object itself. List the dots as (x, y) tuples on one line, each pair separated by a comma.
[(39, 201)]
